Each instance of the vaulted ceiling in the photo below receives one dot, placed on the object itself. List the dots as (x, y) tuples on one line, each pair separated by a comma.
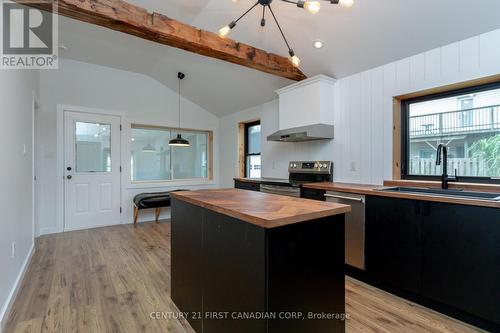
[(369, 34)]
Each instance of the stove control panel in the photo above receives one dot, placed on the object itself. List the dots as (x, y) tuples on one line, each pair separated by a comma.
[(310, 167)]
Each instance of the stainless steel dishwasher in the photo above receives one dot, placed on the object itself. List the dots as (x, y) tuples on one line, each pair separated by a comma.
[(354, 226)]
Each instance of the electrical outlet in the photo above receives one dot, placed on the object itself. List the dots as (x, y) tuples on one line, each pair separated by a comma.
[(24, 149), (353, 166), (13, 250)]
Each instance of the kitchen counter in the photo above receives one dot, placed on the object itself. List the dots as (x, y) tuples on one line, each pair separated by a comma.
[(375, 191), (261, 209), (240, 252), (261, 180)]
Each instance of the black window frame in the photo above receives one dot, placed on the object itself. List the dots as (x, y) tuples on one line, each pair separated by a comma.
[(247, 127), (405, 104)]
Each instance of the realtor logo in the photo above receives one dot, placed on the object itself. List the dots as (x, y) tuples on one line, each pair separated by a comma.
[(28, 36)]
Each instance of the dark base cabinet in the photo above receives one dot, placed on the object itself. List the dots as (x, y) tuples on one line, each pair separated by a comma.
[(445, 256), (393, 238), (309, 193), (461, 256), (251, 186), (223, 268)]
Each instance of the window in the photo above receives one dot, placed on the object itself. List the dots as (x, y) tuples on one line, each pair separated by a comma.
[(93, 147), (466, 104), (467, 121), (252, 150), (152, 159)]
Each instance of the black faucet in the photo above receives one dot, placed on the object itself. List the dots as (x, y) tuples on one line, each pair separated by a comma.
[(444, 177)]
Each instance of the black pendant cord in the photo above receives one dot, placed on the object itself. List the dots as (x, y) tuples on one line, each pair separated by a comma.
[(239, 18), (179, 104), (279, 27)]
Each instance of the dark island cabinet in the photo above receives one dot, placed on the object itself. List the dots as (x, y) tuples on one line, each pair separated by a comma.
[(461, 257), (186, 266), (231, 276), (234, 273), (393, 242)]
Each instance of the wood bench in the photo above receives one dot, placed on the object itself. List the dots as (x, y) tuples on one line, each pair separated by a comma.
[(156, 200)]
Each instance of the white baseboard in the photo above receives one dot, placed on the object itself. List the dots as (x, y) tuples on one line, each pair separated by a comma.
[(4, 315), (48, 231), (90, 227)]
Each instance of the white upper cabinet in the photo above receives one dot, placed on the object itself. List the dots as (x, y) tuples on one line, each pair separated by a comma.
[(307, 102)]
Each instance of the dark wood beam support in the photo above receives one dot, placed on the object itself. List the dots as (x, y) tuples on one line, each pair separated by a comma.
[(127, 18)]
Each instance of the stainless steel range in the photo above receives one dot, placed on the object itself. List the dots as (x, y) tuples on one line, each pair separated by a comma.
[(299, 172)]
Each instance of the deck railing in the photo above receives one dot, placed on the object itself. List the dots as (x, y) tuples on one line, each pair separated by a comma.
[(485, 119), (471, 167)]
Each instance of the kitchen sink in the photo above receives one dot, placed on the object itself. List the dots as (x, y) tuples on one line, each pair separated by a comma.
[(445, 193)]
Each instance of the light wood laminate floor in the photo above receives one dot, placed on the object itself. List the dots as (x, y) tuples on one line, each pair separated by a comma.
[(110, 280)]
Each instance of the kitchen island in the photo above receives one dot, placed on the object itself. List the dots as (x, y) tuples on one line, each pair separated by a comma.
[(246, 261)]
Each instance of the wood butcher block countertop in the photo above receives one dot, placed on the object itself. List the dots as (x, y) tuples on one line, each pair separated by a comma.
[(261, 209), (375, 190)]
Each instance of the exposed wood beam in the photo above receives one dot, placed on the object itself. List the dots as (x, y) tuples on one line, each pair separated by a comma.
[(124, 17)]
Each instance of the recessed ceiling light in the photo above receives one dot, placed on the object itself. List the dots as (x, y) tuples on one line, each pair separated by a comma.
[(318, 44)]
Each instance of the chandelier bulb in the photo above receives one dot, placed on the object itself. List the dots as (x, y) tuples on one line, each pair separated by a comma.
[(294, 59), (346, 3), (313, 7), (224, 31)]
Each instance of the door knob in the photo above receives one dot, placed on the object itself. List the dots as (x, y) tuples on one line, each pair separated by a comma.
[(68, 168), (69, 176)]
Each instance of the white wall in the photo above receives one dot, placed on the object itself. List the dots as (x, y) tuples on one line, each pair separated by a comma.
[(362, 148), (142, 100), (364, 113), (16, 89)]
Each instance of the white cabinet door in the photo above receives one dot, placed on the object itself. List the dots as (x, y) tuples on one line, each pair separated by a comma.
[(92, 170)]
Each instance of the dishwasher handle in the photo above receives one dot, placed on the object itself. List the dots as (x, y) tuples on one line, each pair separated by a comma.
[(344, 197)]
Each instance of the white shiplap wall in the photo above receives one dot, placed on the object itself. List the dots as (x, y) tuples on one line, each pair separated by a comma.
[(362, 149)]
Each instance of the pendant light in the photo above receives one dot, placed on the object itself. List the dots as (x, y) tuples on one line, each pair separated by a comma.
[(179, 141), (149, 149)]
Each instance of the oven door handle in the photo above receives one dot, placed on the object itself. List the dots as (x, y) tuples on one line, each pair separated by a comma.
[(278, 188), (343, 197)]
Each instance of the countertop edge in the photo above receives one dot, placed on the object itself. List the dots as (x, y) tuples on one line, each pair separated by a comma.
[(259, 221), (375, 191)]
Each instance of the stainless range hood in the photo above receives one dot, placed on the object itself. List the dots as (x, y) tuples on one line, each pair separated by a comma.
[(303, 133)]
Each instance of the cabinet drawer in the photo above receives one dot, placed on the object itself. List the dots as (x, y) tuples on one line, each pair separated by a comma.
[(314, 194), (251, 186)]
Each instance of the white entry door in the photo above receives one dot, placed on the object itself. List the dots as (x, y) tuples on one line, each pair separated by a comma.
[(92, 170)]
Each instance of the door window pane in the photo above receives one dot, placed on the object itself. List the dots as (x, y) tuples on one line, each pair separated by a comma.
[(252, 150), (254, 139), (470, 127), (253, 166), (93, 147), (152, 159)]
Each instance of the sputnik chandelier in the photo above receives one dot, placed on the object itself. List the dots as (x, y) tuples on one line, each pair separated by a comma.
[(311, 6)]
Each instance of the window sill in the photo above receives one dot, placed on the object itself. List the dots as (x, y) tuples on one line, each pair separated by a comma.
[(167, 184)]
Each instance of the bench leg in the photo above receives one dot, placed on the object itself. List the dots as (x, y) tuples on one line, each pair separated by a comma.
[(157, 214), (136, 214)]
